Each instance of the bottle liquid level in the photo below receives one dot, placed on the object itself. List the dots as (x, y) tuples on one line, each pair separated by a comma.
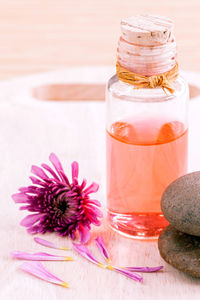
[(143, 158)]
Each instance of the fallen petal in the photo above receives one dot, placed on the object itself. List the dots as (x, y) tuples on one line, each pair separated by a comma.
[(100, 244), (49, 244), (129, 274), (40, 256), (144, 269), (37, 269), (84, 251)]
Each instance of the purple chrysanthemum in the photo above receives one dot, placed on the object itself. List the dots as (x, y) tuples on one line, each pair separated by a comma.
[(59, 205)]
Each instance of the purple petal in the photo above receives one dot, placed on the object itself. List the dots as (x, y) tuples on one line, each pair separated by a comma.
[(94, 210), (37, 269), (46, 167), (84, 251), (83, 184), (20, 198), (39, 256), (48, 244), (74, 171), (92, 217), (31, 189), (58, 167), (30, 220), (129, 274), (35, 229), (144, 269), (100, 244), (39, 172), (94, 202), (37, 181), (93, 188), (84, 234)]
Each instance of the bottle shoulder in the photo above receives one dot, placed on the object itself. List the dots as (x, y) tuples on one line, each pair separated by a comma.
[(125, 91)]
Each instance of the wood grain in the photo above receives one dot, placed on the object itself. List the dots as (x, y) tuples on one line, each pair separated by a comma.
[(37, 36)]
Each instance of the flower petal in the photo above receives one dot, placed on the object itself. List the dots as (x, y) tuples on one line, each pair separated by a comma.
[(46, 167), (35, 229), (83, 184), (74, 171), (93, 219), (93, 188), (84, 234), (58, 167), (20, 197), (84, 251), (39, 172), (37, 181), (48, 244), (94, 202), (100, 244), (129, 274), (30, 220), (144, 269), (94, 210), (39, 256), (37, 269)]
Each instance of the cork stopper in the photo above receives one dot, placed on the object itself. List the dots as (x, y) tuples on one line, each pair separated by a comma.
[(147, 30)]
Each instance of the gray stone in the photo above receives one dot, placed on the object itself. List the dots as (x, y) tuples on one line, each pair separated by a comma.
[(180, 250), (181, 203)]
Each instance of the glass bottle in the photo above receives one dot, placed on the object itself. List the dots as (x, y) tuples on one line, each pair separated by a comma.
[(147, 139)]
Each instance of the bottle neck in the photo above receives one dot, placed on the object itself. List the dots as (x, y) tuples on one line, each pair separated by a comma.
[(147, 60)]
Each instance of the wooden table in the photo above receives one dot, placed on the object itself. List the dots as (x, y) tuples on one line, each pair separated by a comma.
[(43, 35), (30, 130)]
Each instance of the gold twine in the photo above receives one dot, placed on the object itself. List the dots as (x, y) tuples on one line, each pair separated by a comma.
[(140, 81)]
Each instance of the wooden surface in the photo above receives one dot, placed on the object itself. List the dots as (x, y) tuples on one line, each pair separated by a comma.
[(30, 130), (43, 35)]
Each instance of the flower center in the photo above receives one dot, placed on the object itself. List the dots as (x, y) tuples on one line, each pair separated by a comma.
[(62, 206), (65, 205)]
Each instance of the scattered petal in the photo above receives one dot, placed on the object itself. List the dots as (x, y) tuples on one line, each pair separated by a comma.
[(144, 269), (84, 251), (37, 269), (39, 256), (129, 274), (100, 244), (49, 244)]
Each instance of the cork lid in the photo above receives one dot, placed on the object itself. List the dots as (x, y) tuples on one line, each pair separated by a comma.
[(147, 30)]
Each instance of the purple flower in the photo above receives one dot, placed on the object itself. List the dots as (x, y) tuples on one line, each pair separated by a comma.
[(57, 204)]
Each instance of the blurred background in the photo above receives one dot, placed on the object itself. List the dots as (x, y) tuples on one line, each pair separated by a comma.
[(44, 35)]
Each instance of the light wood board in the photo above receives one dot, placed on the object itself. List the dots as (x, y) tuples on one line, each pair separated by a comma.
[(43, 35)]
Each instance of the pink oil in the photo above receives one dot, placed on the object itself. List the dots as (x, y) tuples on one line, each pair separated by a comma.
[(143, 158)]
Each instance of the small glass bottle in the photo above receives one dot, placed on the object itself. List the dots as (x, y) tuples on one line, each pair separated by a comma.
[(147, 129)]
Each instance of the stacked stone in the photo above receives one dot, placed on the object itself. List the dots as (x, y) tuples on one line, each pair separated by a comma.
[(179, 243)]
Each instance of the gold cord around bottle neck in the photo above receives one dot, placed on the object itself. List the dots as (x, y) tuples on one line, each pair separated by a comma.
[(163, 80)]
